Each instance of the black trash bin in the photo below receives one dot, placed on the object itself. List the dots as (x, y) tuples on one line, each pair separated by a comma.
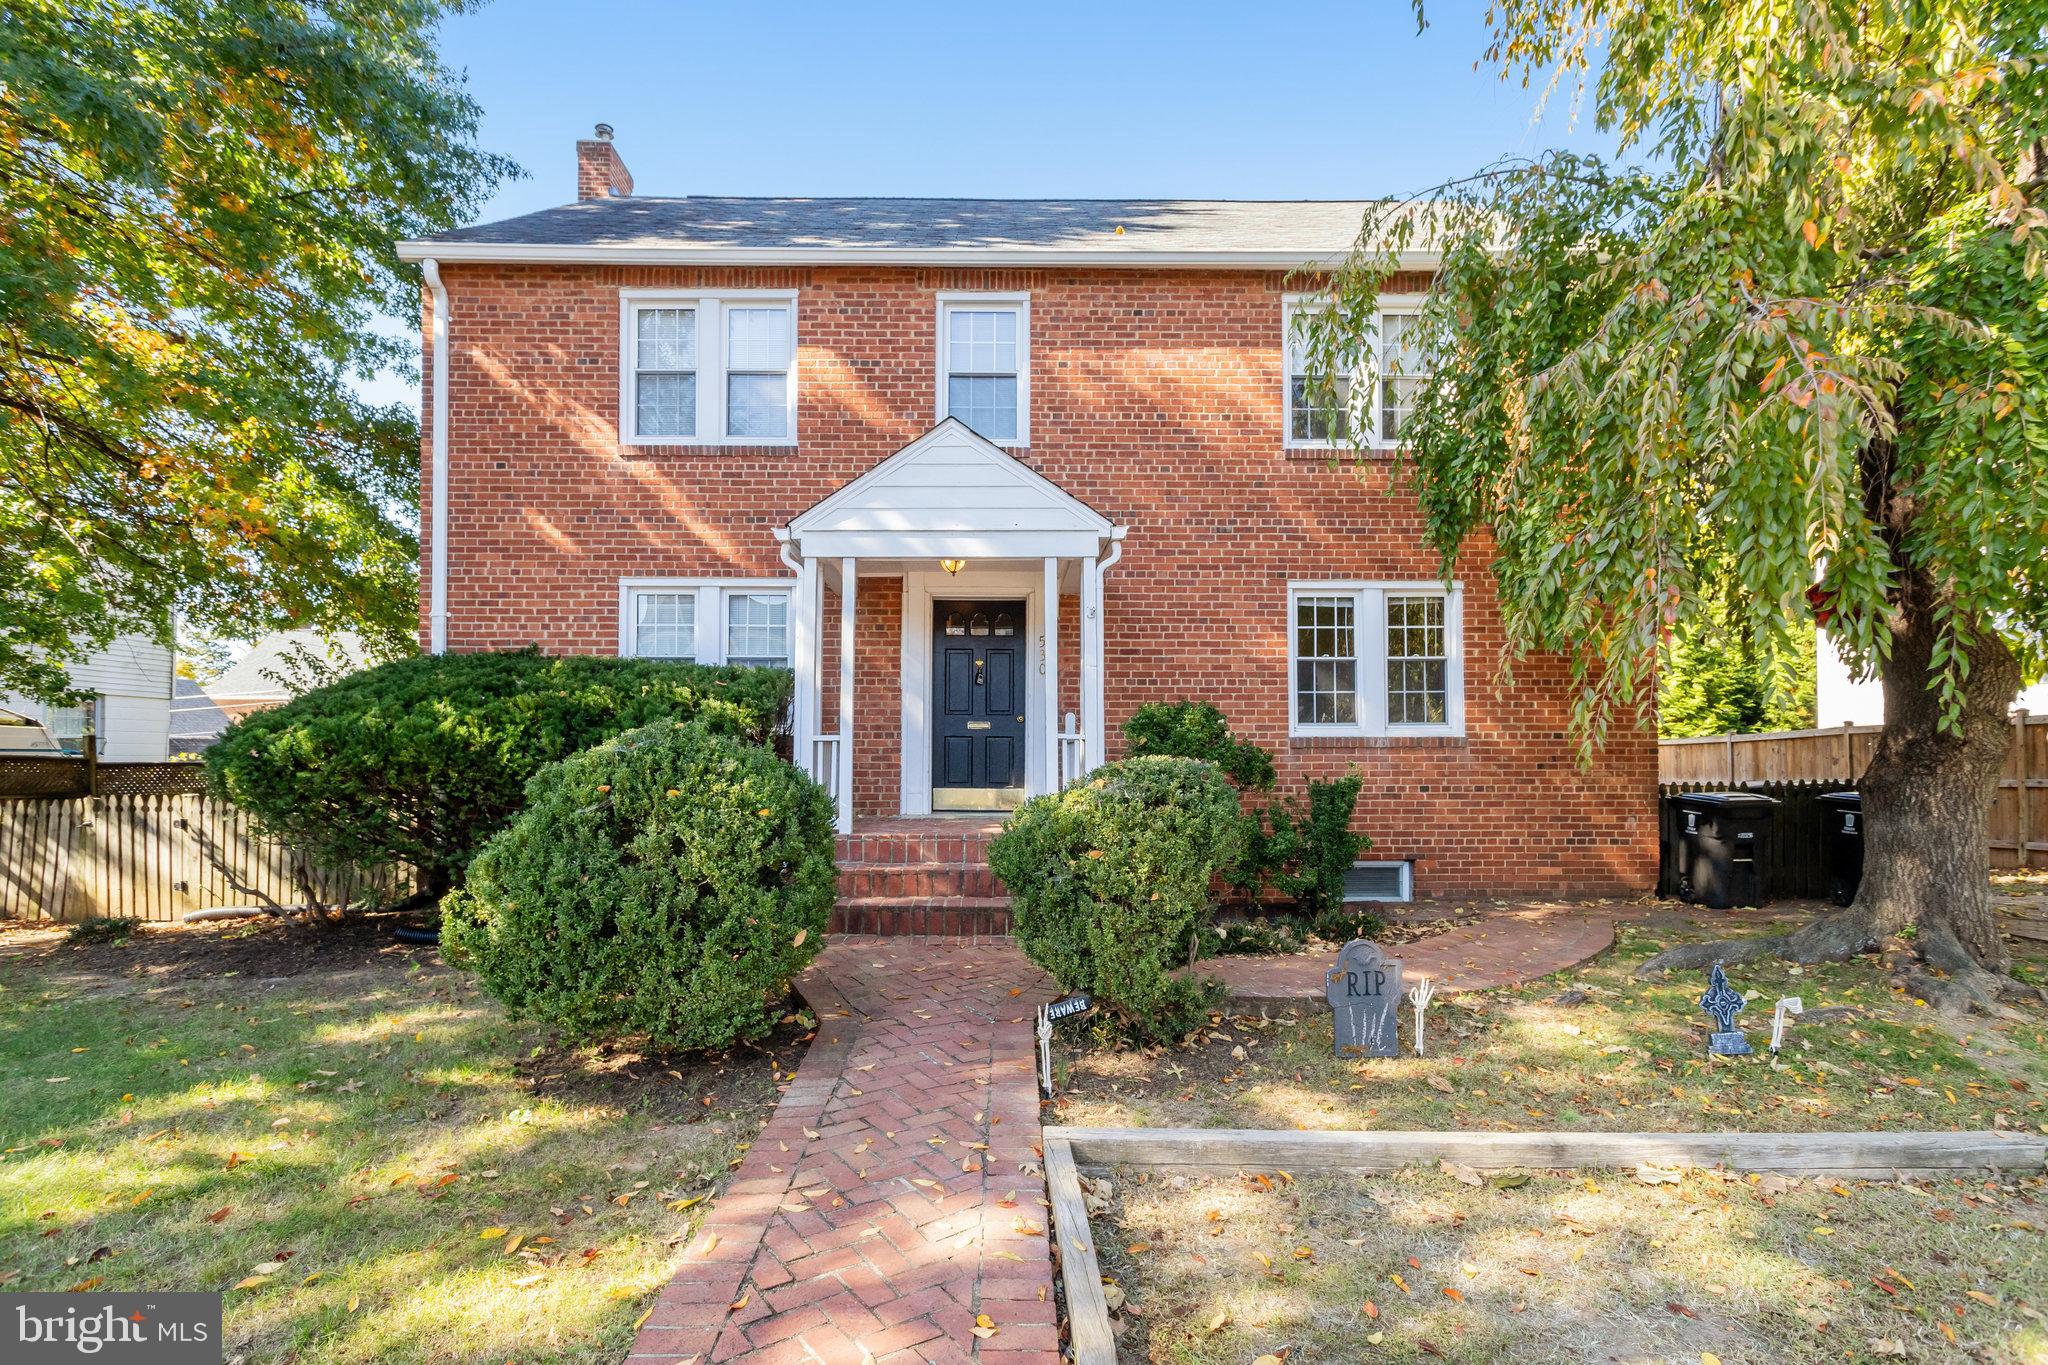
[(1723, 840), (1842, 835)]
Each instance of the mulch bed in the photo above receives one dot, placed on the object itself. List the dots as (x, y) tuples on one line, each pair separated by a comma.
[(260, 948), (681, 1087)]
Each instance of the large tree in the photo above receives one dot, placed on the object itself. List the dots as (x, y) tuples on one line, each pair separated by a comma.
[(198, 205), (1804, 352)]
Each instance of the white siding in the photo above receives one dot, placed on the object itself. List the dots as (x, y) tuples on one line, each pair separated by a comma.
[(1840, 699), (132, 676)]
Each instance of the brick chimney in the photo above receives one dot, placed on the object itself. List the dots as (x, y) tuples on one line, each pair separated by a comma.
[(600, 172)]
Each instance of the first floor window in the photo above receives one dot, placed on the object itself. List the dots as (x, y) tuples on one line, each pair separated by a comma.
[(665, 625), (757, 628), (1375, 658), (708, 369), (706, 621), (69, 726)]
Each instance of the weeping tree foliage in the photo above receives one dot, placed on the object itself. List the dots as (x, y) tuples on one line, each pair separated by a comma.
[(198, 206), (1797, 365)]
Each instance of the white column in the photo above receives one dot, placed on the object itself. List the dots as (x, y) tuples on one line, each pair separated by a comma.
[(848, 580), (1050, 615), (804, 644), (1091, 664)]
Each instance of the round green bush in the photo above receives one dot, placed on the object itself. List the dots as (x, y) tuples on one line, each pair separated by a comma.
[(1109, 884), (665, 885), (420, 760)]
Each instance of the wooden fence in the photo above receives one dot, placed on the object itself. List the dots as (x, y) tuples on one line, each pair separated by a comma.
[(152, 857), (2019, 810)]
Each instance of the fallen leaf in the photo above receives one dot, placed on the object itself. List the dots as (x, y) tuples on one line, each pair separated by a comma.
[(247, 1282), (1464, 1175)]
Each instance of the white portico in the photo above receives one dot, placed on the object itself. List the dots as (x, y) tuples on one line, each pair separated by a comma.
[(986, 548)]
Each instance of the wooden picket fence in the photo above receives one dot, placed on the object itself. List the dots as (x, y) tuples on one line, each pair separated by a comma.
[(154, 856), (2019, 810)]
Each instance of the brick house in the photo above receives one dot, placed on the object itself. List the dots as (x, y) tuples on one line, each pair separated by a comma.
[(987, 475)]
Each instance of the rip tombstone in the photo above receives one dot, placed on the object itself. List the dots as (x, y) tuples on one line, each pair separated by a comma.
[(1364, 991)]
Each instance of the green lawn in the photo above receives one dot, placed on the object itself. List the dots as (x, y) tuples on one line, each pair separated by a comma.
[(370, 1160), (1629, 1055)]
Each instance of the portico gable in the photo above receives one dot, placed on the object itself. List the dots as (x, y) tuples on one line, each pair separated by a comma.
[(955, 517)]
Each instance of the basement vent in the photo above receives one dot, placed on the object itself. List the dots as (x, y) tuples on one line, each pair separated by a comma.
[(1377, 882)]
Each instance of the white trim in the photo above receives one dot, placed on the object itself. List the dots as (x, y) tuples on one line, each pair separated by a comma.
[(915, 672), (710, 305), (437, 555), (1131, 257), (711, 620), (1049, 650), (1369, 624), (1020, 304), (849, 593), (1365, 379)]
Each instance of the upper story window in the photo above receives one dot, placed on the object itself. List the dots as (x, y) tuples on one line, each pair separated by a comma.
[(1375, 659), (1380, 396), (985, 364), (709, 621), (707, 368)]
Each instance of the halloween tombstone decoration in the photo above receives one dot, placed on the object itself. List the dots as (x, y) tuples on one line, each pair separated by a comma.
[(1364, 991)]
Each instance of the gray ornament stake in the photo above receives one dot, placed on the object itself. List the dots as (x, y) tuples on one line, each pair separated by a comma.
[(1791, 1004), (1724, 1002), (1419, 995)]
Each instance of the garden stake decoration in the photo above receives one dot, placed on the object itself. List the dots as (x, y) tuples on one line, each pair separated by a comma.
[(1419, 995), (1791, 1004), (1724, 1002)]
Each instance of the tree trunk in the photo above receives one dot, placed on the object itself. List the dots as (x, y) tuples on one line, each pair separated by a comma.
[(1927, 794)]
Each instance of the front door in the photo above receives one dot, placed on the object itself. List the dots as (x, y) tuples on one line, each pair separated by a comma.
[(977, 705)]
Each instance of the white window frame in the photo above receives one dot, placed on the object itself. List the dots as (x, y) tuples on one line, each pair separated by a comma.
[(1365, 379), (1403, 866), (1020, 304), (712, 344), (711, 594), (1369, 607)]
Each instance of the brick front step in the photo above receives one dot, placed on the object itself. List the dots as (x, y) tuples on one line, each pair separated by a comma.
[(956, 917), (910, 846), (918, 881)]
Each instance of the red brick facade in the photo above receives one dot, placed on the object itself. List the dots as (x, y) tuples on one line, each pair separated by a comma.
[(1156, 398)]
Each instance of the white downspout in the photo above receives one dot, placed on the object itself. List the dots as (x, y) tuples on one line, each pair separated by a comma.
[(1095, 749), (437, 587)]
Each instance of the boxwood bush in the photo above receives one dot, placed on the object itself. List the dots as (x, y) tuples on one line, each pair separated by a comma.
[(420, 760), (663, 886), (1109, 884)]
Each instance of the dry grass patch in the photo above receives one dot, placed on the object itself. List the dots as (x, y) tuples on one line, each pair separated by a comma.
[(1597, 1049), (370, 1160), (1556, 1267)]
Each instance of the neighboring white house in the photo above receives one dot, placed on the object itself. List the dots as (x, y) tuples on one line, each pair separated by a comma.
[(129, 712), (1840, 699), (264, 677)]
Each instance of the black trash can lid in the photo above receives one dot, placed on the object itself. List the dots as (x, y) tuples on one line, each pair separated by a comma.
[(1852, 798), (1728, 801)]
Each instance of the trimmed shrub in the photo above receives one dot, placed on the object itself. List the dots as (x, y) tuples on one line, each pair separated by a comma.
[(665, 885), (1109, 885), (1304, 849), (1196, 729), (420, 760)]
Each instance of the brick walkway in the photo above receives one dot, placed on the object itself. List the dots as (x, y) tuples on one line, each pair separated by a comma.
[(886, 1203), (1506, 946)]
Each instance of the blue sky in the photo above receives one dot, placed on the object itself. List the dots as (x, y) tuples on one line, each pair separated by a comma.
[(1277, 100)]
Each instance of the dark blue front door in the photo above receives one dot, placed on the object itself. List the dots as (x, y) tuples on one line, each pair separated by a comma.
[(978, 710)]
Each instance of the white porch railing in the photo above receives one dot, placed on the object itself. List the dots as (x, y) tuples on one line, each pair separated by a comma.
[(825, 765), (1073, 753)]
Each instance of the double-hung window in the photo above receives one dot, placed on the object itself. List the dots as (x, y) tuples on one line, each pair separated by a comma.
[(1375, 659), (985, 364), (708, 621), (707, 368), (1377, 394)]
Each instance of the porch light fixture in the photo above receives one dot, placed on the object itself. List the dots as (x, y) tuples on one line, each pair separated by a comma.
[(952, 566)]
